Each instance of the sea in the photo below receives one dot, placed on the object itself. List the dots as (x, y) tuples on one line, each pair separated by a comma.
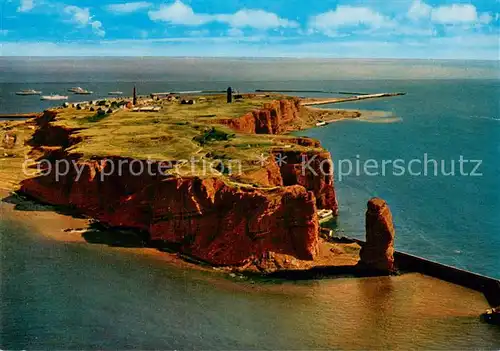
[(58, 295)]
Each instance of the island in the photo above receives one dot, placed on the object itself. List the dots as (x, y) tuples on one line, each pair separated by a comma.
[(222, 182)]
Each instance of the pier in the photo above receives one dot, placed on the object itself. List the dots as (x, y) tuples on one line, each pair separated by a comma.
[(315, 102), (308, 91)]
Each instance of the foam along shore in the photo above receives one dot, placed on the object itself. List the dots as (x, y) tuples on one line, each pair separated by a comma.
[(367, 116), (316, 101)]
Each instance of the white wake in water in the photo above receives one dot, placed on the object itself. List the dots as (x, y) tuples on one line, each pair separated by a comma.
[(485, 117)]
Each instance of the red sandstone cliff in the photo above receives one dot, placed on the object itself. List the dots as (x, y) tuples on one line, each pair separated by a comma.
[(206, 218), (312, 170), (273, 118)]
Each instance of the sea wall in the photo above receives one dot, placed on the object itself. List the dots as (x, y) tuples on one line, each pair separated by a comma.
[(488, 286)]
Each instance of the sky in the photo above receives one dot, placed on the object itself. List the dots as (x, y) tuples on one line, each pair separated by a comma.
[(422, 29)]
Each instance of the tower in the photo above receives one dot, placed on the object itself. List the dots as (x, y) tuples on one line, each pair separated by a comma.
[(229, 95), (135, 97)]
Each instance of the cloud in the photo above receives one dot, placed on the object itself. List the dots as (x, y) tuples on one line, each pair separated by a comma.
[(26, 5), (82, 18), (235, 32), (419, 19), (178, 13), (258, 19), (454, 14), (349, 17), (182, 14), (477, 46), (199, 33), (128, 7), (143, 34), (419, 9)]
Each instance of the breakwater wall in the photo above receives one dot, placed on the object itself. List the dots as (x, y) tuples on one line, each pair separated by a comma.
[(308, 91), (347, 99), (406, 263), (490, 287)]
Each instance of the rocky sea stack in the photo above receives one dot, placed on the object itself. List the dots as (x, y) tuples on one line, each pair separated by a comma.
[(378, 251)]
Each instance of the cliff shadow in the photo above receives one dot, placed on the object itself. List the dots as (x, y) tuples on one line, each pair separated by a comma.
[(25, 203), (96, 233)]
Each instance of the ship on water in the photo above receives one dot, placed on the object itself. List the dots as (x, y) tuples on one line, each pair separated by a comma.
[(54, 97), (28, 92), (80, 91)]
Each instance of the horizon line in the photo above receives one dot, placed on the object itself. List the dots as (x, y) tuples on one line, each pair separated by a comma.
[(250, 57)]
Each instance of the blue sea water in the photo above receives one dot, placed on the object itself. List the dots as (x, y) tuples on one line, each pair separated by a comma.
[(65, 295), (451, 219)]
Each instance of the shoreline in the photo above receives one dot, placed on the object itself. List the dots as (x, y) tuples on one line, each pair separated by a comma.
[(45, 223), (61, 226), (351, 270)]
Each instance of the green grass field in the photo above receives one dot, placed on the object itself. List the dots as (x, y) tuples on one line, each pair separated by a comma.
[(176, 132)]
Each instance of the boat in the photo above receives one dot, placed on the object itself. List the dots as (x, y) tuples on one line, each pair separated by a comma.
[(325, 215), (54, 97), (321, 124), (83, 92), (28, 92), (115, 93), (80, 91)]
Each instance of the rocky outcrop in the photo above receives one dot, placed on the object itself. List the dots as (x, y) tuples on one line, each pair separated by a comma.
[(314, 171), (378, 251), (204, 218), (273, 118)]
